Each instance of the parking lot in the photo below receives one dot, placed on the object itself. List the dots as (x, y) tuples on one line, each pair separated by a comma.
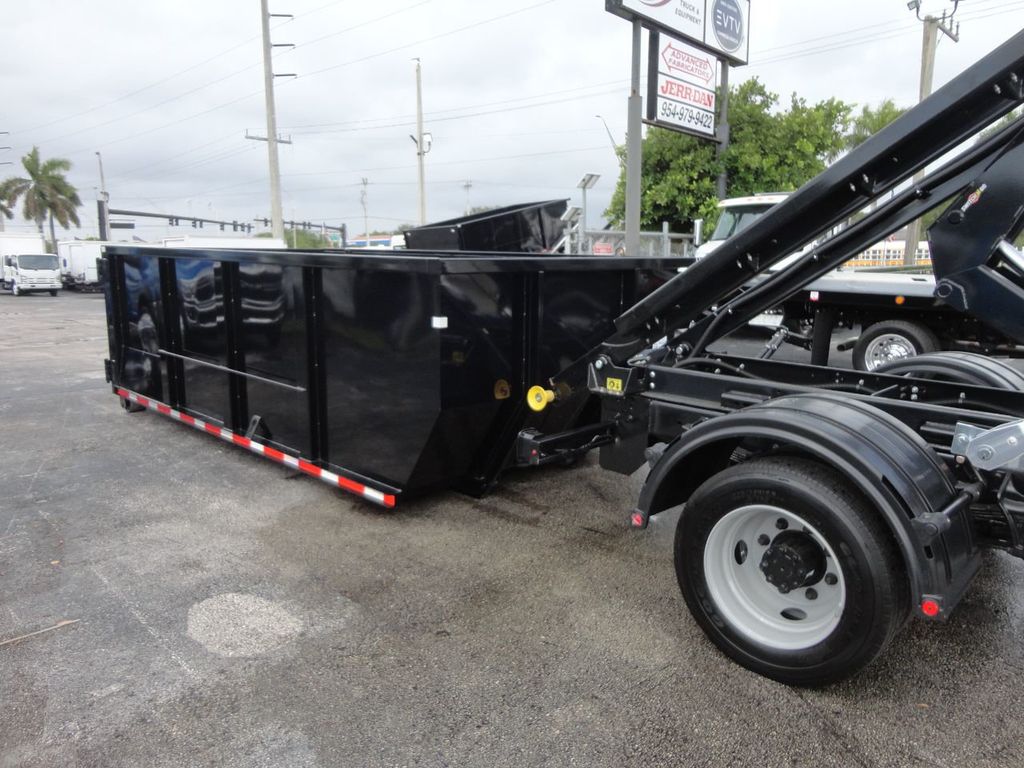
[(224, 611)]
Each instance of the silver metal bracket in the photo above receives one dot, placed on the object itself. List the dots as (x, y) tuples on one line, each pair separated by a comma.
[(1001, 447)]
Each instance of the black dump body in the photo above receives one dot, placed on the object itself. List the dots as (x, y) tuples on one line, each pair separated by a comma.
[(406, 372), (515, 229)]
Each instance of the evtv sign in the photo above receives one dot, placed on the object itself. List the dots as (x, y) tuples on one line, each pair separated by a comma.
[(720, 26)]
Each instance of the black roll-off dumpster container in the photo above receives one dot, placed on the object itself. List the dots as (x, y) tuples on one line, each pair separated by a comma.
[(386, 375), (522, 228)]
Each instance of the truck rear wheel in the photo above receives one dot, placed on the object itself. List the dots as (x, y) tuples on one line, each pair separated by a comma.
[(789, 571), (890, 340)]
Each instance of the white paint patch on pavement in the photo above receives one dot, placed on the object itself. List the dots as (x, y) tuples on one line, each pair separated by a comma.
[(241, 625)]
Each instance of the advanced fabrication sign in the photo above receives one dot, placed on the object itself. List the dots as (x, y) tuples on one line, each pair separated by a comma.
[(721, 26), (681, 86)]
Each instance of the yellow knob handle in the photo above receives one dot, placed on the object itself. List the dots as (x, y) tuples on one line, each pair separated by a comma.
[(538, 398)]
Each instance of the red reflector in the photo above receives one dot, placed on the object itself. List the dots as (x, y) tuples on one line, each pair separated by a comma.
[(638, 520), (142, 401), (271, 453), (930, 608), (164, 409), (213, 430), (389, 500), (245, 442), (188, 419)]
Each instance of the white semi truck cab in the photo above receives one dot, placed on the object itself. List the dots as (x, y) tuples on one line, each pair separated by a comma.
[(28, 272)]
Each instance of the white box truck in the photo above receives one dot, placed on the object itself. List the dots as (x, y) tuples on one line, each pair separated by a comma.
[(26, 265), (78, 263)]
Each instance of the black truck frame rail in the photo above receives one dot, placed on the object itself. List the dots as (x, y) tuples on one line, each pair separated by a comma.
[(752, 446)]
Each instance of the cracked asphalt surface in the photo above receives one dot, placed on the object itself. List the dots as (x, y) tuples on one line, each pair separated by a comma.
[(229, 613)]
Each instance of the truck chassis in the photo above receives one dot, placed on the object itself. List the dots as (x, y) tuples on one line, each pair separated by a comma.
[(821, 507)]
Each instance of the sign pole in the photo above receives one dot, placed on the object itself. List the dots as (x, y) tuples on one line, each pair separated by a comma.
[(633, 144), (723, 131)]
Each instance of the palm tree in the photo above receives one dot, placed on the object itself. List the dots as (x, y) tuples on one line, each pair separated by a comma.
[(5, 213), (45, 191), (870, 121)]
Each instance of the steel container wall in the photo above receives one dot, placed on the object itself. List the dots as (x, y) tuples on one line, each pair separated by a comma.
[(408, 371)]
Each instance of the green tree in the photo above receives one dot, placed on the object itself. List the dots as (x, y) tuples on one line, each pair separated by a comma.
[(44, 191), (870, 121), (770, 149)]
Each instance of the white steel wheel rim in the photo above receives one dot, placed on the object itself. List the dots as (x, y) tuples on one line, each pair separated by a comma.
[(752, 606), (886, 348)]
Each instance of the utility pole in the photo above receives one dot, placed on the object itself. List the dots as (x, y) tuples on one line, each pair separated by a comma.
[(366, 218), (422, 141), (467, 185), (276, 217), (103, 203), (930, 41), (633, 149)]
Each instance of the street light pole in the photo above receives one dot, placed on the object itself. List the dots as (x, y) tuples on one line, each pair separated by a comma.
[(419, 145), (587, 182)]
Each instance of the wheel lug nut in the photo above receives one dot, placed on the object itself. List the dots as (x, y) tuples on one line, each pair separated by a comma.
[(811, 594), (831, 579), (781, 524), (764, 540), (740, 553)]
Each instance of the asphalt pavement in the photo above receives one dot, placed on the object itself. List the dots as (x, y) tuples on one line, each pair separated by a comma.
[(169, 600)]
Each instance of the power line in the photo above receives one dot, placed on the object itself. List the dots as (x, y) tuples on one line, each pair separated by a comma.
[(151, 107), (896, 31), (465, 116), (455, 31), (190, 150), (316, 72), (145, 88), (360, 25)]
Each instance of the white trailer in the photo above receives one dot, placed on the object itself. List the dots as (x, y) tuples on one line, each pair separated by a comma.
[(191, 241), (78, 263)]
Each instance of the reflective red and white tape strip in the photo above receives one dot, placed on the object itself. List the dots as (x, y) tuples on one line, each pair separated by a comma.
[(331, 478)]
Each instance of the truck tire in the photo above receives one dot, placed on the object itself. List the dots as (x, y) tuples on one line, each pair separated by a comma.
[(53, 293), (890, 340), (789, 571), (14, 289), (959, 368)]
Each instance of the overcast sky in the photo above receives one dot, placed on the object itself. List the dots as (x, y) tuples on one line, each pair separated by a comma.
[(166, 90)]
